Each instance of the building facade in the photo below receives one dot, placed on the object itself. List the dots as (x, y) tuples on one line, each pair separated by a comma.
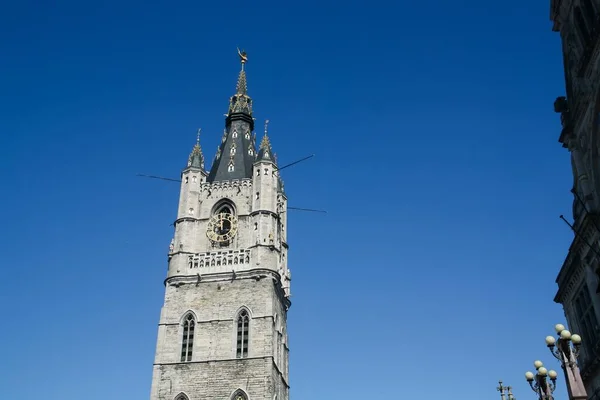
[(578, 22), (222, 331)]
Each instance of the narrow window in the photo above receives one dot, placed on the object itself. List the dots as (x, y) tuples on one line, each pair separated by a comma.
[(194, 179), (186, 179), (243, 322), (586, 317), (187, 343)]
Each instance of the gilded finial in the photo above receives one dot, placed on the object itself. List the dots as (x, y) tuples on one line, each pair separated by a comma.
[(266, 126), (198, 136), (243, 57)]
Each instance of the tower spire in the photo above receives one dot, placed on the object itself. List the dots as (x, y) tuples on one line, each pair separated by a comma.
[(265, 152), (236, 154), (240, 102), (196, 158)]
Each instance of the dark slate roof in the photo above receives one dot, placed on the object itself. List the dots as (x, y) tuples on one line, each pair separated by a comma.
[(237, 152)]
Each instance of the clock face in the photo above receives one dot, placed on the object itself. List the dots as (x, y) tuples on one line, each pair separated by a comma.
[(222, 227)]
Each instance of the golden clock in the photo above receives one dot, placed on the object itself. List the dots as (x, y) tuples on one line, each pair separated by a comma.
[(222, 227)]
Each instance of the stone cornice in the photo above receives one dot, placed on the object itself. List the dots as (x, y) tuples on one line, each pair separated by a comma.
[(573, 267), (229, 359), (256, 274)]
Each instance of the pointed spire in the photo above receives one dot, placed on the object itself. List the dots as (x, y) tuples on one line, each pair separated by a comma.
[(236, 153), (265, 152), (196, 158), (241, 103)]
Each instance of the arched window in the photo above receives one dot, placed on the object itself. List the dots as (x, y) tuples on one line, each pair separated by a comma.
[(239, 395), (187, 344), (243, 322), (224, 210), (182, 396)]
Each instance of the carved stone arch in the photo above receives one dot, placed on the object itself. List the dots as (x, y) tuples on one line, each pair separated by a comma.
[(239, 394), (185, 315), (181, 396), (240, 309), (222, 205)]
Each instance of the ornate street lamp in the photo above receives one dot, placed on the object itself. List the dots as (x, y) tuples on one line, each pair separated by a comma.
[(567, 355), (539, 382)]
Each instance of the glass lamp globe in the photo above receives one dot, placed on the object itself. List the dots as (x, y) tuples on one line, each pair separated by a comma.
[(542, 371), (559, 328), (538, 364), (565, 335), (576, 339), (552, 374), (529, 376), (550, 340)]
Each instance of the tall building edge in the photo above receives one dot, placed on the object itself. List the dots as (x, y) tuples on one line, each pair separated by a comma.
[(578, 23)]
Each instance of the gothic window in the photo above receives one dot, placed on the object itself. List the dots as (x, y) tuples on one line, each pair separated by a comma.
[(224, 210), (239, 395), (234, 133), (181, 396), (586, 317), (187, 344), (194, 179), (230, 168), (243, 322)]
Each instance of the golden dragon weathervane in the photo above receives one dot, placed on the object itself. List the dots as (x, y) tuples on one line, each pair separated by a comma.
[(243, 57)]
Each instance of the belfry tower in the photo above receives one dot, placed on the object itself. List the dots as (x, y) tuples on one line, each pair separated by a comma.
[(222, 330)]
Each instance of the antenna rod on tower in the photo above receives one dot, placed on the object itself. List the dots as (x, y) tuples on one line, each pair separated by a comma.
[(295, 162), (159, 177), (307, 209)]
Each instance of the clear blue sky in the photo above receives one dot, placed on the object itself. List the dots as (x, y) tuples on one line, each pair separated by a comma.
[(436, 158)]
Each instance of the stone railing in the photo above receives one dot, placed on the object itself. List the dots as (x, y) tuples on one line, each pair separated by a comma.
[(219, 258)]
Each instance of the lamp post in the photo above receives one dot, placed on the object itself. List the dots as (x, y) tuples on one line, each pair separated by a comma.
[(539, 382), (505, 390), (562, 350)]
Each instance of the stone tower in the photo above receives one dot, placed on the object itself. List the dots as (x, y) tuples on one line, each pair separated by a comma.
[(222, 331)]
